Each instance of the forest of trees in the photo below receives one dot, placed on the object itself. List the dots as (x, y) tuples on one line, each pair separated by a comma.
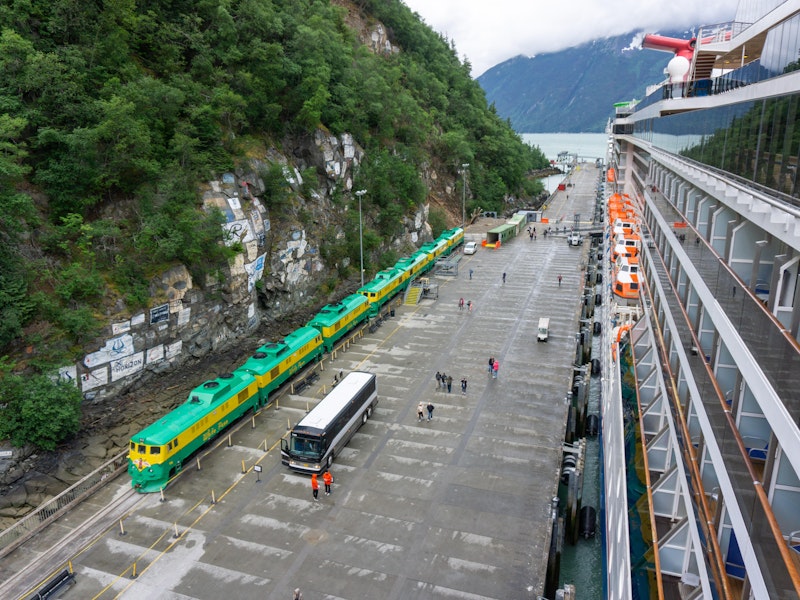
[(113, 114)]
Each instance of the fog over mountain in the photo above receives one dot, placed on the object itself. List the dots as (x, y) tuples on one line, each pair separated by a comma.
[(573, 91)]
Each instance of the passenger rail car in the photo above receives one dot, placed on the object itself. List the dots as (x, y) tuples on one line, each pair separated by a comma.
[(454, 238), (384, 287), (334, 320), (416, 264), (274, 363), (319, 437)]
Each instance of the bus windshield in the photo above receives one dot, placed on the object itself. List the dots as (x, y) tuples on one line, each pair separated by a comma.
[(303, 446)]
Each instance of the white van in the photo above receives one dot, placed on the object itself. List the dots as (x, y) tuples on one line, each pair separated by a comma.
[(544, 330), (470, 247)]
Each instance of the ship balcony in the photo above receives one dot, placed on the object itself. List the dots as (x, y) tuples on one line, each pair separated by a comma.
[(738, 444)]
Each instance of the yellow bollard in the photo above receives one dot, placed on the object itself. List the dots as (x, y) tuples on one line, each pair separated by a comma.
[(133, 573), (69, 566), (213, 497), (177, 535), (243, 469), (121, 528)]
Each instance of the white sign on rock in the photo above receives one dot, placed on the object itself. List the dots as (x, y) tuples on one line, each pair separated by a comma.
[(114, 349), (127, 366), (94, 379)]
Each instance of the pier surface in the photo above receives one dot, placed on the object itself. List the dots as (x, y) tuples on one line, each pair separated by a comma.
[(456, 507)]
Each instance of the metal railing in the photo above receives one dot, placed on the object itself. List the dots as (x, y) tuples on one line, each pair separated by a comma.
[(42, 516)]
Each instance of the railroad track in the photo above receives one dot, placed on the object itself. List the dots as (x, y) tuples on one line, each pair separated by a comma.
[(25, 581), (43, 567)]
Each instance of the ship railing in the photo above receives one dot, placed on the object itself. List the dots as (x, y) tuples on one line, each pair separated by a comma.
[(49, 511), (721, 32)]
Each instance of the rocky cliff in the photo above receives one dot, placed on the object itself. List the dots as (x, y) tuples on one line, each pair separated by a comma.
[(195, 330)]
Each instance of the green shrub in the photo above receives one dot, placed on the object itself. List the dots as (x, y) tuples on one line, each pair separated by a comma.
[(39, 411)]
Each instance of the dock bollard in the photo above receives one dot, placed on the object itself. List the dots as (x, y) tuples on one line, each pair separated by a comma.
[(213, 497), (277, 403), (133, 572), (229, 441), (198, 463), (162, 495), (253, 424), (243, 468), (288, 425), (177, 535), (122, 528)]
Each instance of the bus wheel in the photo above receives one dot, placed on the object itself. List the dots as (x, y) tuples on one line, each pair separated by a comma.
[(369, 411), (364, 418), (328, 461)]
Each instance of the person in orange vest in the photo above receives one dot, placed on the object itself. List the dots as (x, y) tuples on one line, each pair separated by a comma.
[(327, 479), (315, 487)]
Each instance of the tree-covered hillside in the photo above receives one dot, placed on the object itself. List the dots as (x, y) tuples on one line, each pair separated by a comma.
[(113, 114)]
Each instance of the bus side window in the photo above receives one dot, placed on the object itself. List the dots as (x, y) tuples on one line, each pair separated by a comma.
[(142, 449)]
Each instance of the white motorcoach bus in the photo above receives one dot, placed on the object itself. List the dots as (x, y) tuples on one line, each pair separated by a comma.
[(323, 432)]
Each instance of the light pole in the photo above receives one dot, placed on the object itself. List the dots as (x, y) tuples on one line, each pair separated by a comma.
[(360, 193), (464, 168)]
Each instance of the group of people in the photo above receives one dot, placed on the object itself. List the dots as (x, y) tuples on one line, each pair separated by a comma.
[(494, 367), (444, 382), (421, 413), (461, 304), (327, 480), (532, 232)]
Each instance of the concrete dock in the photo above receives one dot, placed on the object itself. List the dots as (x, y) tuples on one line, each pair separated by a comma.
[(456, 507)]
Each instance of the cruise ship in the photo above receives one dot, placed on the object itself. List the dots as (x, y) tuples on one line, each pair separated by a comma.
[(701, 394)]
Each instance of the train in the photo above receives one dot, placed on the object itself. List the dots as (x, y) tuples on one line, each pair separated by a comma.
[(158, 453)]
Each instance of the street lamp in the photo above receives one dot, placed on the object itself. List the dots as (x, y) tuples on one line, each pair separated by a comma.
[(360, 193), (464, 168)]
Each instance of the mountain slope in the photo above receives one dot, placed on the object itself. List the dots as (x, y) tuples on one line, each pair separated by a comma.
[(573, 91)]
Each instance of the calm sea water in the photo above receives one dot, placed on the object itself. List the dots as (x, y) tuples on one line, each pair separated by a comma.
[(588, 146)]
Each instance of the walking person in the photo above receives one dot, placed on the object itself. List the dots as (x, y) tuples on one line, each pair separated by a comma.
[(460, 304), (420, 412), (463, 386), (327, 479), (430, 411), (559, 280), (470, 274), (443, 382), (491, 364), (315, 487), (438, 379), (449, 384), (504, 276), (297, 595), (470, 304), (495, 369)]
